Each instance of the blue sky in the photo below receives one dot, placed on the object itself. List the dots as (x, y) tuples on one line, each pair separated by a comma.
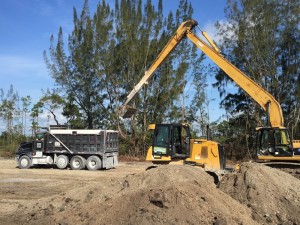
[(26, 27)]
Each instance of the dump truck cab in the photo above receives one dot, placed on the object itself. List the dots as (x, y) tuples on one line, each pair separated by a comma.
[(32, 153), (24, 155)]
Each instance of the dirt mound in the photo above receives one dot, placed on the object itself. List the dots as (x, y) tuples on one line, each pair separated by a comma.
[(163, 195), (271, 194), (172, 195)]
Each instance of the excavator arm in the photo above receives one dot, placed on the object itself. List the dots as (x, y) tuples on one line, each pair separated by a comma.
[(181, 32), (260, 95)]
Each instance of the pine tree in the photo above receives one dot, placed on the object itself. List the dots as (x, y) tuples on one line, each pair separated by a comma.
[(80, 74), (26, 101), (9, 109)]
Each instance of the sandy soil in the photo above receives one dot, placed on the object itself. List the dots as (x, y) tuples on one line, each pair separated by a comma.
[(132, 194)]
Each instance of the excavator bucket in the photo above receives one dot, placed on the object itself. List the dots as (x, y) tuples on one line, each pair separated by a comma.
[(126, 111)]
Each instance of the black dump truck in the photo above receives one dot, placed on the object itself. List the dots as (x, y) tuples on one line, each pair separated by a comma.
[(79, 149)]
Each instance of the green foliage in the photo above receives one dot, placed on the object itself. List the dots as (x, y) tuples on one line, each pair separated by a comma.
[(26, 101), (52, 101), (71, 111), (236, 137), (10, 114), (9, 142), (9, 107), (36, 110)]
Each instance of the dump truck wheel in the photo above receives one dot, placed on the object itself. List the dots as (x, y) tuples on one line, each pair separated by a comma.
[(93, 163), (77, 162), (24, 162), (62, 161)]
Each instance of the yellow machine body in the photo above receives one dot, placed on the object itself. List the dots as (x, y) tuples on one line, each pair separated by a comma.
[(200, 152), (205, 153)]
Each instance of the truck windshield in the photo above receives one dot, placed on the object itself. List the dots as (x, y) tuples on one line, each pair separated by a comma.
[(39, 136)]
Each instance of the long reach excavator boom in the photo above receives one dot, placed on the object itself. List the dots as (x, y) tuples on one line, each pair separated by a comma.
[(259, 94)]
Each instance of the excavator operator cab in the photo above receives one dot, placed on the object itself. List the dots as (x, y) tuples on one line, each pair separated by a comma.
[(171, 140), (274, 142)]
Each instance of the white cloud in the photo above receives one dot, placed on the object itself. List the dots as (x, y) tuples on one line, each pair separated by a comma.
[(212, 31), (21, 66)]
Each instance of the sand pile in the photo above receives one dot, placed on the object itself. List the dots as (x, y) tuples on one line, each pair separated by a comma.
[(174, 195), (271, 194)]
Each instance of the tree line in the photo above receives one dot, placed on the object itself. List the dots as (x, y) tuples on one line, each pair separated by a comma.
[(108, 52)]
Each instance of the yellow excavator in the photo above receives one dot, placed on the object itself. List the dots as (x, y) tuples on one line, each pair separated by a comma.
[(172, 142)]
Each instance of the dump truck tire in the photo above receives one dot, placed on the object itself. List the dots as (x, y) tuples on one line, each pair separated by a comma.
[(24, 162), (93, 163), (77, 162), (62, 161)]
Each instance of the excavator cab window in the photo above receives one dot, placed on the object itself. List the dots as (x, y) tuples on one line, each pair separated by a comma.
[(161, 140), (181, 137), (274, 141), (171, 140), (282, 137)]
